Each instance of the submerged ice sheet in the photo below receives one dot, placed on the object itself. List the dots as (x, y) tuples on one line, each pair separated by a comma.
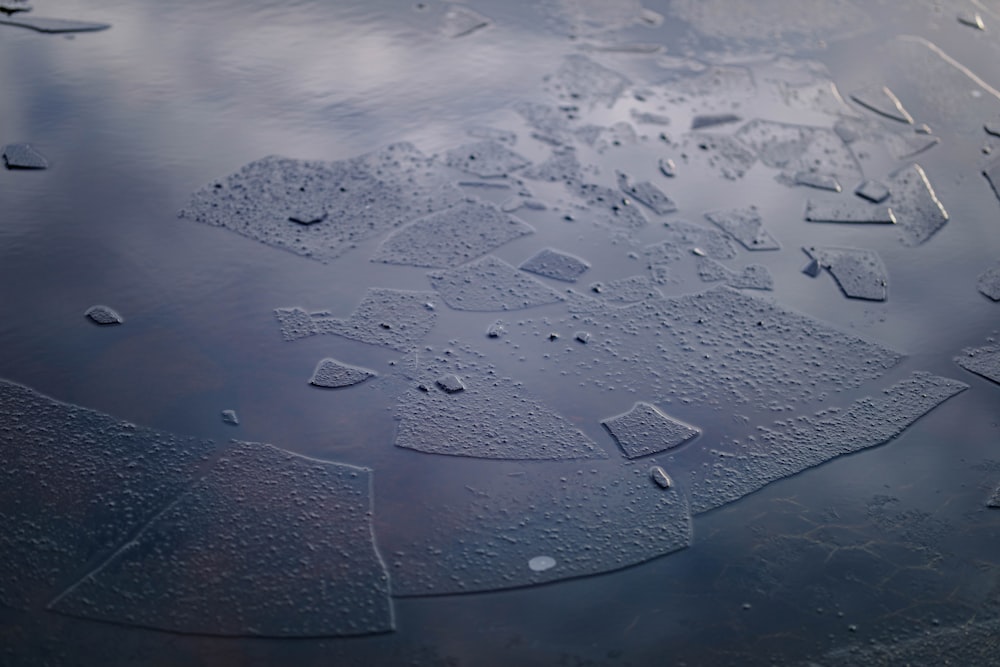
[(319, 209), (983, 361), (75, 484), (488, 159), (645, 430), (790, 446), (486, 537), (268, 543), (859, 273), (452, 236), (490, 284), (392, 318), (556, 264), (493, 417)]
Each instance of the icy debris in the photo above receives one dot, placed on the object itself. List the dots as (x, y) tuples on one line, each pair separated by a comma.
[(103, 315), (259, 546), (873, 191), (882, 101), (660, 476), (488, 159), (489, 284), (556, 264), (983, 361), (648, 194), (23, 156), (450, 383), (746, 226), (989, 283), (973, 20), (460, 21), (645, 430), (229, 417), (848, 211), (793, 445), (492, 418), (53, 25), (342, 203), (667, 167), (333, 374), (919, 214), (860, 274), (451, 236)]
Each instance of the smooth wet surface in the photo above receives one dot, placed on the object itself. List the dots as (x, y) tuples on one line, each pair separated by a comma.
[(350, 195)]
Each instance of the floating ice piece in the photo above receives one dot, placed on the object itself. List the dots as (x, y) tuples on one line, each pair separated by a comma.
[(816, 180), (556, 264), (333, 374), (746, 226), (983, 361), (490, 284), (882, 101), (496, 330), (904, 146), (460, 21), (604, 138), (295, 323), (645, 430), (873, 191), (626, 290), (103, 315), (683, 237), (648, 194), (492, 418), (14, 6), (551, 124), (561, 166), (241, 553), (649, 118), (451, 237), (54, 25), (450, 383), (973, 20), (702, 121), (754, 276), (660, 476), (919, 214), (860, 274), (580, 78), (496, 524), (614, 209), (23, 156), (791, 446), (992, 129), (723, 154), (667, 167), (541, 563), (848, 211), (488, 159), (229, 417), (391, 318), (989, 283), (343, 203), (76, 485), (800, 148)]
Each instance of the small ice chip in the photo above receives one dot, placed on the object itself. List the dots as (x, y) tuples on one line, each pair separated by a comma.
[(660, 476), (103, 315), (450, 383), (541, 563), (229, 417)]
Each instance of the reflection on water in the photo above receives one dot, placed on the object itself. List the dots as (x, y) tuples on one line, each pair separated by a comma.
[(651, 150)]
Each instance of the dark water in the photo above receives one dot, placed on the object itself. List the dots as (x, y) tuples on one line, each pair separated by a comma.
[(887, 545)]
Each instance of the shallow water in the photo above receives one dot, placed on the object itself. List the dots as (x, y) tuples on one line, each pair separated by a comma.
[(884, 545)]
